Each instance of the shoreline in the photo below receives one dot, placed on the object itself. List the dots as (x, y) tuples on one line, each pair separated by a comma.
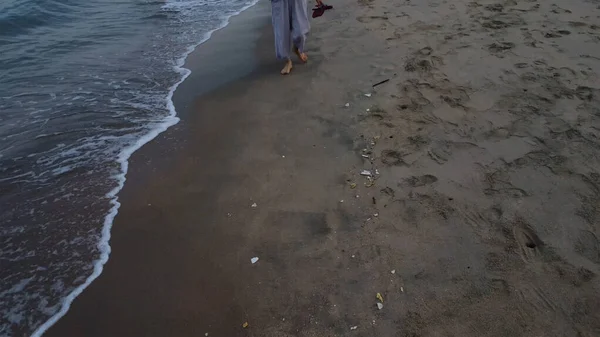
[(252, 25), (173, 119)]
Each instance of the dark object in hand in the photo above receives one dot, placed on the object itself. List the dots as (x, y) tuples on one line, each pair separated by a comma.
[(319, 9)]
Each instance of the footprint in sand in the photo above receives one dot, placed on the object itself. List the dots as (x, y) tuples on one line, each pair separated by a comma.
[(380, 115), (365, 2), (453, 101), (494, 8), (412, 99), (419, 65), (529, 40), (524, 104), (558, 10), (502, 20), (418, 181), (495, 24), (499, 185), (416, 143), (587, 245), (577, 24), (500, 47), (557, 34), (586, 93), (512, 192), (496, 262), (426, 51), (544, 158), (439, 154), (422, 61), (528, 242), (392, 158), (536, 298)]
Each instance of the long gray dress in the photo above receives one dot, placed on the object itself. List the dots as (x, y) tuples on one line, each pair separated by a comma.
[(290, 24)]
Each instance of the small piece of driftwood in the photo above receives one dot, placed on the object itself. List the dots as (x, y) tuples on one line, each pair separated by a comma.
[(380, 83)]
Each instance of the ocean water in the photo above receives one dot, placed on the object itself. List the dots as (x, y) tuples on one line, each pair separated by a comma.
[(83, 84)]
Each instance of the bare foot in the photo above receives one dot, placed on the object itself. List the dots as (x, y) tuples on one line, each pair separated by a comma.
[(302, 56), (287, 68)]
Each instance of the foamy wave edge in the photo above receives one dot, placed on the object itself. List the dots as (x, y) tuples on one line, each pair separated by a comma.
[(104, 244)]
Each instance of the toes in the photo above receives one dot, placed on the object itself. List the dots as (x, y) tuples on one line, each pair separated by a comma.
[(286, 70)]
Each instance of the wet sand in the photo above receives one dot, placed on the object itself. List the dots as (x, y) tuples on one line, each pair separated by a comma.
[(478, 214)]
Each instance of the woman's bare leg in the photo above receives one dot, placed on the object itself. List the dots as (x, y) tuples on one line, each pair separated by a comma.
[(280, 11), (300, 28)]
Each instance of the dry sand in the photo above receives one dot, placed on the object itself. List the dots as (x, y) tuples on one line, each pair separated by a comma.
[(484, 146)]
